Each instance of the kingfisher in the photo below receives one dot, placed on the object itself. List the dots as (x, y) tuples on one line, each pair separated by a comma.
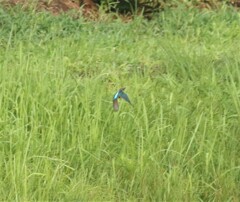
[(120, 94)]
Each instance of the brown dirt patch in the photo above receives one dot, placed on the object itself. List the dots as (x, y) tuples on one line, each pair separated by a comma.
[(87, 7)]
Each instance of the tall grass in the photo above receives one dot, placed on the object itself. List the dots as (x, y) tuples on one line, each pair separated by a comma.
[(61, 140)]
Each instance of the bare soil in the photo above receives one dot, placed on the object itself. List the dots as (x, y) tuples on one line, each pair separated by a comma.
[(87, 7)]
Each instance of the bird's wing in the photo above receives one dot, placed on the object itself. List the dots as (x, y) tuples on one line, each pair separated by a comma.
[(115, 105), (125, 97)]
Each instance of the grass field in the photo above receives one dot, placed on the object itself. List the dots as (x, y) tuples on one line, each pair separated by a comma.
[(59, 136)]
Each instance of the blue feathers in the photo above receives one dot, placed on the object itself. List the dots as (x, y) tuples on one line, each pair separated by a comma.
[(119, 94)]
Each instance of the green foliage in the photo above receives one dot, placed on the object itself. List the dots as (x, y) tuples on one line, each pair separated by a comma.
[(59, 136), (148, 7)]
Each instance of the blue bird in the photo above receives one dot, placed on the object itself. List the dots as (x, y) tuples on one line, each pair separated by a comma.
[(120, 94)]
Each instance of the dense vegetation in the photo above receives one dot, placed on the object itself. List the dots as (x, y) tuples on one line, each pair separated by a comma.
[(61, 140)]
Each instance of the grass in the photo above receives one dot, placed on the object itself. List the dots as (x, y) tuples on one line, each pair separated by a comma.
[(59, 136)]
